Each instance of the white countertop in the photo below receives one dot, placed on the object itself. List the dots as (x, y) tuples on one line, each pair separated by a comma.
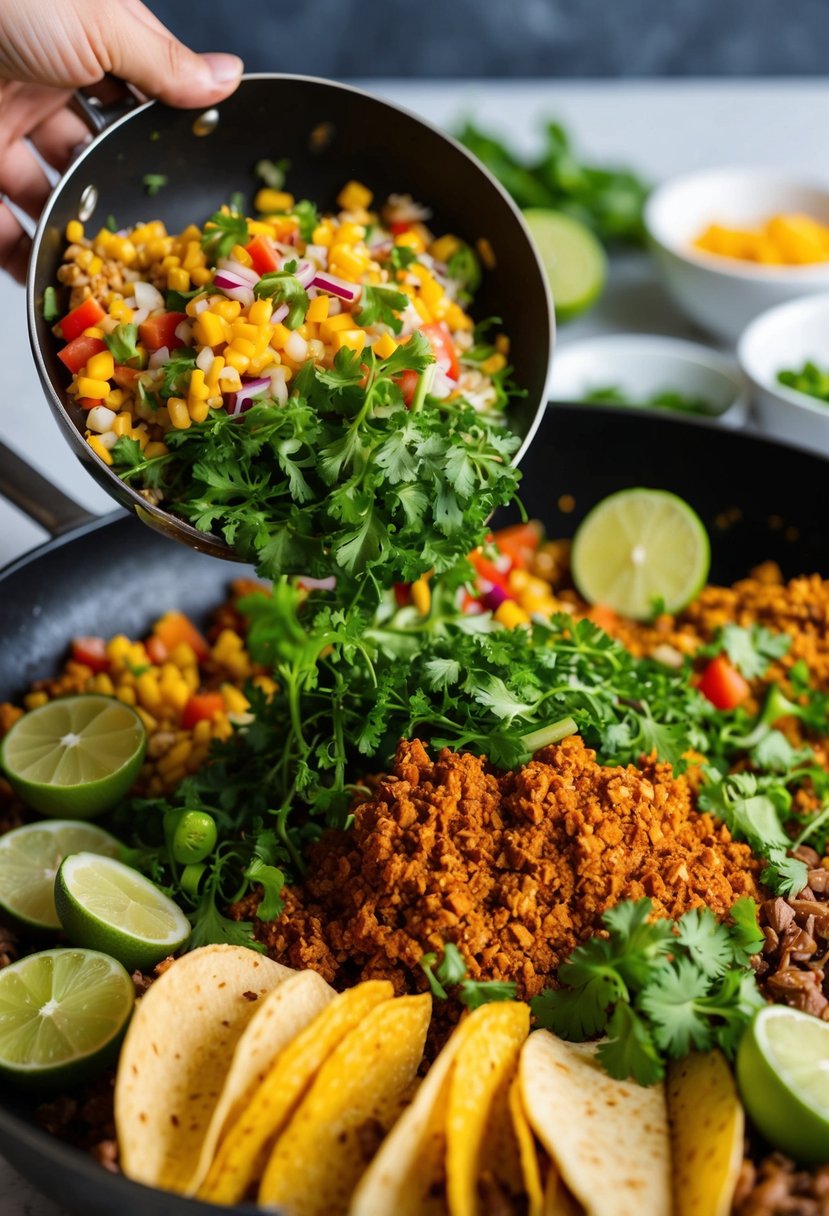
[(658, 128)]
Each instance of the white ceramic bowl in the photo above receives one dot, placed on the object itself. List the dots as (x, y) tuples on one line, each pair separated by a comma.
[(723, 295), (783, 339), (641, 365)]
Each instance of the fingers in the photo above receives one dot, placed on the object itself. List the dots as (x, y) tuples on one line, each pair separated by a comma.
[(14, 246), (58, 137), (22, 178)]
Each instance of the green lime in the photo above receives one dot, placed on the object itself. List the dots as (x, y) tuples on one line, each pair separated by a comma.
[(108, 906), (29, 860), (639, 552), (573, 257), (782, 1072), (74, 757), (62, 1014)]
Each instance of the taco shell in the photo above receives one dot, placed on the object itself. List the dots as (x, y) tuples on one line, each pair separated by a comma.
[(244, 1150), (277, 1019), (176, 1056), (707, 1127), (357, 1095), (527, 1151), (608, 1139)]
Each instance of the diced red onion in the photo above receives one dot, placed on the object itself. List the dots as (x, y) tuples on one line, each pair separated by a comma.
[(495, 597), (237, 402), (318, 584), (246, 273), (234, 286), (350, 292), (305, 270), (147, 296), (279, 314), (159, 357)]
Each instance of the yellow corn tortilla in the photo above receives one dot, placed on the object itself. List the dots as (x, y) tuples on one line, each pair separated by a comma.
[(176, 1057), (608, 1139), (707, 1128), (527, 1151), (557, 1199), (483, 1065), (243, 1151), (318, 1159), (278, 1019), (408, 1174)]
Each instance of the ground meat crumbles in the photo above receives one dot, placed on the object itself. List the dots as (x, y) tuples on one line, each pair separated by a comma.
[(514, 868)]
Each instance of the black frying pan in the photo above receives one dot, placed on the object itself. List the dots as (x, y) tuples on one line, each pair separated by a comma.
[(117, 575), (330, 133)]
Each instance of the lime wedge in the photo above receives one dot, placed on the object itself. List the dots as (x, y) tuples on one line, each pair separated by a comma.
[(62, 1014), (75, 757), (641, 551), (783, 1076), (573, 257), (106, 905), (29, 860)]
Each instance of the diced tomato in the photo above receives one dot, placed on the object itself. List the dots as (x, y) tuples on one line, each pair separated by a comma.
[(722, 684), (403, 594), (519, 542), (85, 315), (174, 628), (77, 352), (471, 605), (398, 227), (91, 652), (202, 707), (489, 571), (87, 403), (125, 377), (408, 382), (444, 348), (263, 255), (603, 616), (160, 331), (156, 650)]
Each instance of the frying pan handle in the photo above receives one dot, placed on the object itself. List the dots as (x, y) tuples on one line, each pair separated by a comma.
[(101, 104), (36, 497)]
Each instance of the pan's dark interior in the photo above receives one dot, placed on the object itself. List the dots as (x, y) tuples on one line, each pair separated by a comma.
[(759, 501), (330, 134)]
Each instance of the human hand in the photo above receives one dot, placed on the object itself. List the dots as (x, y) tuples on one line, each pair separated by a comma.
[(50, 47)]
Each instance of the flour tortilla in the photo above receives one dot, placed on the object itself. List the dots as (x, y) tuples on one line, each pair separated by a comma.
[(608, 1139), (707, 1127), (278, 1019), (176, 1057)]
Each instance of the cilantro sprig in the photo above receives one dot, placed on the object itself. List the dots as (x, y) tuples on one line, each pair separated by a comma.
[(657, 991), (222, 231), (451, 972), (284, 288)]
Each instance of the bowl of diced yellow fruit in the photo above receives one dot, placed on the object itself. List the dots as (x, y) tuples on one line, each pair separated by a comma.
[(732, 243)]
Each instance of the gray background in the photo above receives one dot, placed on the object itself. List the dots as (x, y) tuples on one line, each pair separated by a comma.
[(513, 38)]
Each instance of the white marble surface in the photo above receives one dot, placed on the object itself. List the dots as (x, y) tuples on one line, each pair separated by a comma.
[(659, 127)]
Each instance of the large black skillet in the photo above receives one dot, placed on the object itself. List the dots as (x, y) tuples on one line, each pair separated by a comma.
[(118, 575)]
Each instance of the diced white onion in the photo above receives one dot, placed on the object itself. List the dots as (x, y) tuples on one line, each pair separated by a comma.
[(296, 348), (200, 305), (100, 418), (442, 386), (159, 357), (318, 254), (139, 315), (147, 296), (279, 385), (184, 332), (108, 439), (204, 360)]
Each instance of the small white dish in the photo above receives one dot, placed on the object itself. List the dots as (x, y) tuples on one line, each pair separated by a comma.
[(783, 339), (721, 294), (641, 365)]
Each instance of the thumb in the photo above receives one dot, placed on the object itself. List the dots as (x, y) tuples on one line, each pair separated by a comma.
[(136, 47)]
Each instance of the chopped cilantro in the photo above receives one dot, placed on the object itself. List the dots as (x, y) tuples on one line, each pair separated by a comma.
[(381, 304), (153, 182), (272, 172), (122, 342), (176, 371), (221, 232), (401, 257), (285, 288), (308, 217), (751, 650)]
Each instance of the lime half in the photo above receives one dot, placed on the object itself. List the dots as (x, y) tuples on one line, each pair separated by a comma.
[(62, 1013), (573, 257), (74, 757), (783, 1075), (640, 552), (29, 860), (108, 906)]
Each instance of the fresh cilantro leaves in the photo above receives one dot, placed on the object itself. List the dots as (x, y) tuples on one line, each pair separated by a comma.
[(401, 257), (450, 972), (154, 182), (381, 304), (272, 172), (122, 342), (751, 650), (285, 288), (176, 372), (221, 232), (656, 991)]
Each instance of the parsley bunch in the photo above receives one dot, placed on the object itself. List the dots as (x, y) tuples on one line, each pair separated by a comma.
[(657, 989)]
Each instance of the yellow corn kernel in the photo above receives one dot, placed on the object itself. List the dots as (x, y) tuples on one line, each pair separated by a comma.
[(350, 234), (260, 311), (115, 398), (191, 233), (148, 691), (510, 615), (103, 684), (486, 253), (170, 262), (202, 731), (502, 344), (267, 199), (150, 723), (261, 228), (183, 656), (34, 700), (122, 249), (119, 310), (117, 649), (422, 310), (347, 263), (384, 346), (495, 363), (155, 449), (101, 366), (197, 389), (88, 386), (241, 255), (177, 754), (98, 448), (354, 195), (228, 309), (237, 360), (194, 255), (178, 279), (280, 336), (422, 596), (126, 694), (318, 309), (443, 248), (243, 329), (210, 329), (176, 692), (200, 275), (456, 318), (322, 234), (267, 685), (259, 362), (354, 339), (235, 700), (179, 414), (198, 410), (411, 240), (316, 350), (212, 377), (328, 327), (74, 232), (93, 331), (222, 728), (123, 424)]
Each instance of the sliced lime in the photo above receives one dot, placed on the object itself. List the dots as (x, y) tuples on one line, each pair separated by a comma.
[(783, 1075), (106, 905), (641, 551), (573, 257), (74, 757), (29, 860), (62, 1013)]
